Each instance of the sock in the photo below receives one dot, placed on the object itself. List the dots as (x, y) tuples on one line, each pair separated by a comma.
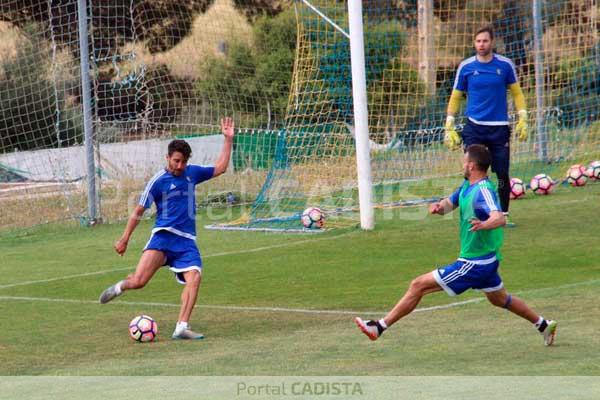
[(119, 287), (380, 325), (541, 324), (181, 326)]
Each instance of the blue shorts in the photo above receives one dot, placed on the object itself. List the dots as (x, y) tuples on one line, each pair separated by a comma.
[(479, 273), (181, 254), (495, 138)]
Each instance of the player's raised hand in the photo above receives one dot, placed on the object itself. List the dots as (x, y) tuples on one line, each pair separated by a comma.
[(227, 127), (120, 246)]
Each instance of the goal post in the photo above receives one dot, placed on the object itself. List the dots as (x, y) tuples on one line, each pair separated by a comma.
[(361, 114)]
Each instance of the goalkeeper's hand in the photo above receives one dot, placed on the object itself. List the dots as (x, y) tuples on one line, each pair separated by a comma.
[(451, 139), (522, 129)]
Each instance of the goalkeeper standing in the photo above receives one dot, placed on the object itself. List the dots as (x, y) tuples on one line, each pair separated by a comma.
[(484, 79)]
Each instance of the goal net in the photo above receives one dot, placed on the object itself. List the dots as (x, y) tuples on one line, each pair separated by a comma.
[(169, 69)]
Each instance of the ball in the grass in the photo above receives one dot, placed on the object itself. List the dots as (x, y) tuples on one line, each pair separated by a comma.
[(517, 188), (576, 175), (143, 328), (541, 184), (593, 170), (313, 218)]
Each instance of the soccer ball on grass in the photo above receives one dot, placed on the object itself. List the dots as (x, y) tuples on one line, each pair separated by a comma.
[(143, 329), (313, 218), (576, 175), (593, 170), (517, 188), (541, 184)]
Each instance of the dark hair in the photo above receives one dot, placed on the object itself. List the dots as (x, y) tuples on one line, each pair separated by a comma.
[(480, 155), (488, 28), (180, 146)]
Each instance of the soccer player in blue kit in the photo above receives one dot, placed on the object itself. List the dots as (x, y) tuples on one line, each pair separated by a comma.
[(481, 237), (173, 239), (485, 78)]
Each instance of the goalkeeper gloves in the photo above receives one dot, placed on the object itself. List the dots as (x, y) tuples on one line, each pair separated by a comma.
[(522, 129), (452, 139)]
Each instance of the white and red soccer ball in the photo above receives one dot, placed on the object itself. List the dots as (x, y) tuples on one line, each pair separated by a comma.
[(593, 171), (143, 329), (541, 184), (517, 188), (576, 175), (313, 218)]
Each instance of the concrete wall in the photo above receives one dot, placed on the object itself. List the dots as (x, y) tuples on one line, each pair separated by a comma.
[(135, 160)]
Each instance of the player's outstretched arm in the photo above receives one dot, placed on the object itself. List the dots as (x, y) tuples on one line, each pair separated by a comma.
[(132, 223), (442, 207), (227, 128)]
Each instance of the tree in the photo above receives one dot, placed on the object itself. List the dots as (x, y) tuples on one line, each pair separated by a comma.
[(254, 80), (32, 114), (160, 23), (254, 9)]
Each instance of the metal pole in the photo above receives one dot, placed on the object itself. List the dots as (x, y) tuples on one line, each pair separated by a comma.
[(542, 139), (87, 109), (361, 121)]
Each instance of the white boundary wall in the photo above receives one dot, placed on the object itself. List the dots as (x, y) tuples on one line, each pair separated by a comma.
[(137, 160)]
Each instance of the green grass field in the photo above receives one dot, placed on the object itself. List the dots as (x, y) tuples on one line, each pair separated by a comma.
[(275, 304)]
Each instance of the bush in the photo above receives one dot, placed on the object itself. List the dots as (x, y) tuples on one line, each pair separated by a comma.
[(384, 42), (395, 98), (576, 91)]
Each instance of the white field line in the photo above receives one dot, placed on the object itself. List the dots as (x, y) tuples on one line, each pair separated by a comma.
[(288, 310), (226, 253)]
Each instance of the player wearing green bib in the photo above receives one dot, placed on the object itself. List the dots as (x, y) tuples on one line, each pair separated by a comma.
[(479, 200), (481, 237)]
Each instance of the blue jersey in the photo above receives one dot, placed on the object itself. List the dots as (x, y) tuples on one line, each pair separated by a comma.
[(485, 85), (175, 199)]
